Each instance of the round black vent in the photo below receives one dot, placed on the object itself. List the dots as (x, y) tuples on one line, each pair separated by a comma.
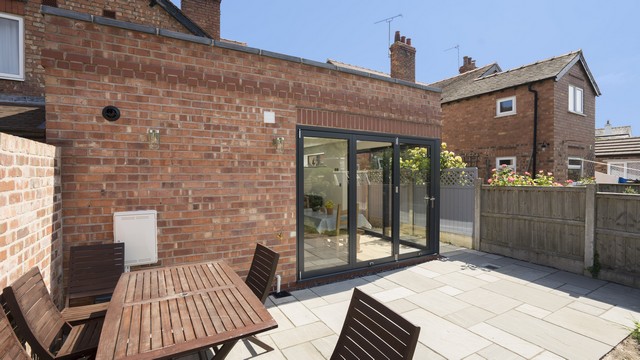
[(111, 113)]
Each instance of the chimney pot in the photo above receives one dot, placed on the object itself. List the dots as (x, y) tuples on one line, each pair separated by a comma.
[(468, 64), (403, 59)]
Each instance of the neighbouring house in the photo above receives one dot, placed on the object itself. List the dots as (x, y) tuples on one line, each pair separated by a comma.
[(535, 117), (618, 152), (230, 144)]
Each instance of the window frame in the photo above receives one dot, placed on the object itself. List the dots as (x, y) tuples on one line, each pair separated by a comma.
[(573, 92), (575, 167), (506, 113), (513, 160), (20, 75)]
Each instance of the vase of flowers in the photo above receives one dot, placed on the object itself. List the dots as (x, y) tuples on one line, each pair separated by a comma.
[(329, 207)]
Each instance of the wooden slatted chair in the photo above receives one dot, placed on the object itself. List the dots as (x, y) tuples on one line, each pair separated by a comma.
[(94, 271), (10, 347), (260, 279), (39, 322), (373, 331)]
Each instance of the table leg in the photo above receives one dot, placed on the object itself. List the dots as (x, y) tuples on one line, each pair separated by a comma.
[(224, 350)]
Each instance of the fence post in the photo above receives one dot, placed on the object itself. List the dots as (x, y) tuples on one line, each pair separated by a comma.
[(589, 226), (475, 245)]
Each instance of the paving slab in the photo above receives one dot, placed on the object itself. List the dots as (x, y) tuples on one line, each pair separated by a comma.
[(489, 300), (303, 351), (297, 313), (469, 316), (413, 281), (533, 311), (608, 332), (301, 334), (586, 308), (580, 281), (461, 281), (529, 295), (333, 315), (498, 352), (393, 294), (446, 338), (401, 305), (423, 352), (504, 339), (325, 345), (522, 274), (556, 339), (437, 302)]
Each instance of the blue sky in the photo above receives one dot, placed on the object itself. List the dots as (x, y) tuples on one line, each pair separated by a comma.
[(512, 33)]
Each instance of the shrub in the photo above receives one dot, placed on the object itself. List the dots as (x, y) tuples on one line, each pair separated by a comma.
[(505, 176)]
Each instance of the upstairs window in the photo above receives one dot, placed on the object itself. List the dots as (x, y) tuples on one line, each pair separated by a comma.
[(506, 106), (11, 47), (575, 100)]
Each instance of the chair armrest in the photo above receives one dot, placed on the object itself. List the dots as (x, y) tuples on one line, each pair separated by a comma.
[(80, 314)]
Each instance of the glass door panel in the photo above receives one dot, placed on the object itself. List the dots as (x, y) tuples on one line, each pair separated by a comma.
[(374, 200), (325, 204), (415, 201)]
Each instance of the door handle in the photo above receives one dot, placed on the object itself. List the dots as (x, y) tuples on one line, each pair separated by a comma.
[(433, 201)]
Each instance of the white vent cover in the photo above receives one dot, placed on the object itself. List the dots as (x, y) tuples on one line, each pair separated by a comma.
[(138, 231)]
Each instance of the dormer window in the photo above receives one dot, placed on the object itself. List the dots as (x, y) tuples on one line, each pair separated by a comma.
[(12, 47), (575, 100), (506, 106)]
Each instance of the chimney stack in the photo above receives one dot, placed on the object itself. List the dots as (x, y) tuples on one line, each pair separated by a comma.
[(468, 64), (205, 13), (403, 59)]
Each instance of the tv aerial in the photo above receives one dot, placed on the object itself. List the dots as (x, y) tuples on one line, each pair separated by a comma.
[(457, 47), (388, 21)]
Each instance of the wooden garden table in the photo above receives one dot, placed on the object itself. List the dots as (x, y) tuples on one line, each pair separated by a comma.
[(165, 312)]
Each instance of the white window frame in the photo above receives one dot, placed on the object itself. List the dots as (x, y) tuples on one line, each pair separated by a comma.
[(576, 93), (624, 164), (20, 75), (513, 160), (506, 113), (575, 167)]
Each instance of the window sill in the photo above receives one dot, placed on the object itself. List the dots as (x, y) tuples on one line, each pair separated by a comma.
[(506, 114), (576, 113), (12, 78)]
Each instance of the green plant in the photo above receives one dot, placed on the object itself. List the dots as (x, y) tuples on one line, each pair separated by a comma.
[(587, 180), (635, 332), (449, 160), (630, 190), (505, 176), (329, 204)]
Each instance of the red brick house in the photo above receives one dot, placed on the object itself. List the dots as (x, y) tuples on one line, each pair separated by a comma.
[(535, 117), (229, 144)]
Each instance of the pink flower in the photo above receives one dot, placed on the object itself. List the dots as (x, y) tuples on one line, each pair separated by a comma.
[(490, 180), (541, 171), (493, 170), (510, 179), (549, 174), (569, 181), (527, 173), (504, 166)]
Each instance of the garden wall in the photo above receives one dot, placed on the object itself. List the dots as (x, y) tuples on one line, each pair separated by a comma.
[(30, 212), (569, 228)]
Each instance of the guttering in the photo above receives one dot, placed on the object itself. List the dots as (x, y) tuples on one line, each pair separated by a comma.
[(535, 129)]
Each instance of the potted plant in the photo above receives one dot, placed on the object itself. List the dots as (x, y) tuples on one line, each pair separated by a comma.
[(329, 207)]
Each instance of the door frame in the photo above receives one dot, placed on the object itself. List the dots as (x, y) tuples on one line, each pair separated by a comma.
[(352, 137)]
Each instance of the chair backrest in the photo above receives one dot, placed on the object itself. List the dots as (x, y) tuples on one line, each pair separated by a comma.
[(342, 216), (10, 347), (373, 331), (262, 271), (94, 270), (37, 318)]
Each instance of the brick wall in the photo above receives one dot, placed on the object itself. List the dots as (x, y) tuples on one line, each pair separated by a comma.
[(471, 125), (136, 11), (33, 84), (216, 180), (205, 13), (574, 134), (30, 215)]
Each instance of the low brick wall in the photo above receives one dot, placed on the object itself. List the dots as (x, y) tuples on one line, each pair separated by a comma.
[(30, 212)]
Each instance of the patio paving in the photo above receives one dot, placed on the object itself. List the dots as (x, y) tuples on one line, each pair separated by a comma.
[(470, 305)]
